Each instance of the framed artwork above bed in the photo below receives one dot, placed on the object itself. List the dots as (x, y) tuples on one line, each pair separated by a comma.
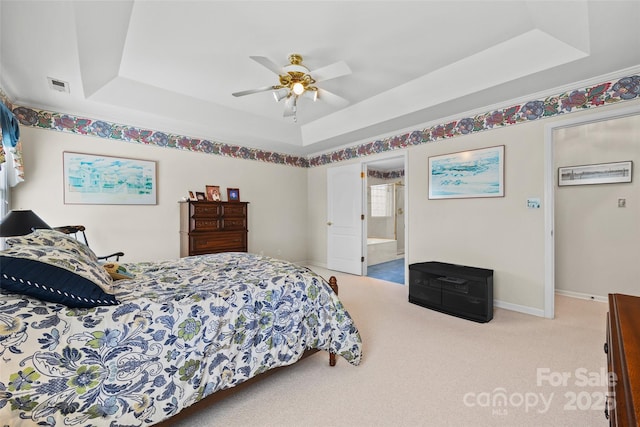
[(91, 179)]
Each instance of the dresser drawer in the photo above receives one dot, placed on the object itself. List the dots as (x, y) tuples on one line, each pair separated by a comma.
[(205, 210), (234, 224), (218, 242), (234, 209), (205, 224)]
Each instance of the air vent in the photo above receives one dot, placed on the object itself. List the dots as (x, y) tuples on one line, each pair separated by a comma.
[(58, 85)]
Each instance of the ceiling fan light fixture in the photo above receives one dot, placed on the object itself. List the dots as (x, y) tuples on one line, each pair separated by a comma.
[(311, 93), (297, 88), (280, 94), (296, 82)]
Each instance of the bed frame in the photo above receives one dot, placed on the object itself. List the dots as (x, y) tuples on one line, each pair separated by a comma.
[(222, 394)]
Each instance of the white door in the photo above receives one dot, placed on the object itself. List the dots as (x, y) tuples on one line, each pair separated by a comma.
[(345, 219)]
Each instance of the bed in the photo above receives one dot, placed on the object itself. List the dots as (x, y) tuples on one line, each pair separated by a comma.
[(78, 347)]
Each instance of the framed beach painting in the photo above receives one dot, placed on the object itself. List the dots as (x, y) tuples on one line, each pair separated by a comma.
[(105, 180), (467, 174)]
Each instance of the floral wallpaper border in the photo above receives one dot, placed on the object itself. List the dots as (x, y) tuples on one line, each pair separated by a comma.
[(372, 173), (624, 89)]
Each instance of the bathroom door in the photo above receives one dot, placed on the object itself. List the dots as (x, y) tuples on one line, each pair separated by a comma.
[(345, 219)]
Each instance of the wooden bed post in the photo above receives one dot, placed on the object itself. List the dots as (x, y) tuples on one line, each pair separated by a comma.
[(333, 282)]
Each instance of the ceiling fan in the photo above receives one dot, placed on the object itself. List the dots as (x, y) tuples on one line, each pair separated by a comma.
[(296, 81)]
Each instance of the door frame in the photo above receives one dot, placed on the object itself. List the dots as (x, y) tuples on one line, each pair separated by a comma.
[(365, 165), (549, 195)]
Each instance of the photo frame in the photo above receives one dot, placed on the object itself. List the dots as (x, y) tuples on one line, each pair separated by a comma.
[(200, 196), (233, 194), (467, 174), (192, 196), (598, 173), (213, 193), (93, 179)]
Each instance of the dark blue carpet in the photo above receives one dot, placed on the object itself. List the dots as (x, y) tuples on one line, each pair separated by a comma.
[(392, 271)]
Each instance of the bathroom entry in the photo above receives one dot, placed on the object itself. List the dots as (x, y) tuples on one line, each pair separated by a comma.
[(385, 244)]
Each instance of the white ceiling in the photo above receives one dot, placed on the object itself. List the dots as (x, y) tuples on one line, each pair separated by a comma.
[(172, 65)]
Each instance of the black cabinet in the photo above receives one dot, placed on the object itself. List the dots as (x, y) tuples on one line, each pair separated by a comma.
[(459, 290)]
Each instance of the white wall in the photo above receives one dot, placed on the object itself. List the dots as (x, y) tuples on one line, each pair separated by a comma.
[(598, 243), (277, 196), (497, 233), (287, 214)]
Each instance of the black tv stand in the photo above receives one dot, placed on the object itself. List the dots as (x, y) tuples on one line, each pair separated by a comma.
[(458, 290)]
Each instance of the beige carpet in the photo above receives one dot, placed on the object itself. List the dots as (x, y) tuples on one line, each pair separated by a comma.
[(424, 368)]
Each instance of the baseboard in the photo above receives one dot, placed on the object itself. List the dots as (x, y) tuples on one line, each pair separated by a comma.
[(581, 295), (314, 263), (519, 308)]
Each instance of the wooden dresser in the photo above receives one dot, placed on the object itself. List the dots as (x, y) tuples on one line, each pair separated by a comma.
[(623, 360), (211, 227)]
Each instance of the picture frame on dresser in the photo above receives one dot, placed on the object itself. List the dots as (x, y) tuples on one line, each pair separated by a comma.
[(200, 196), (233, 194), (213, 193)]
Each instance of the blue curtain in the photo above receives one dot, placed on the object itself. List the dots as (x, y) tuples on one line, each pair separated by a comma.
[(10, 129), (10, 150)]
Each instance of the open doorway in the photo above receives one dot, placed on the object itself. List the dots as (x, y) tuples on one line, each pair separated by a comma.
[(611, 204), (385, 224)]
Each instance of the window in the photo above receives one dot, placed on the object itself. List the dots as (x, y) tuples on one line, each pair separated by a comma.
[(381, 200)]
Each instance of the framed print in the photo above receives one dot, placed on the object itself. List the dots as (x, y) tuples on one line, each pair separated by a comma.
[(467, 174), (200, 196), (213, 193), (192, 196), (106, 180), (233, 194), (601, 173)]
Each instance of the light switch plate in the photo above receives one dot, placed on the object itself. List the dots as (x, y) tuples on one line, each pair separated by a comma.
[(533, 203)]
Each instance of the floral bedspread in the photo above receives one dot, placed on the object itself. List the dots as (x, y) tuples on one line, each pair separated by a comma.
[(184, 329)]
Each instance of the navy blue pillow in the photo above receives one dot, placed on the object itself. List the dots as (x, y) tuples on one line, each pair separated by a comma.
[(51, 283)]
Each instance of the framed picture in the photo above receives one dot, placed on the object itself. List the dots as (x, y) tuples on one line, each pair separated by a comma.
[(466, 174), (105, 180), (233, 194), (213, 193), (200, 196), (601, 173), (192, 196)]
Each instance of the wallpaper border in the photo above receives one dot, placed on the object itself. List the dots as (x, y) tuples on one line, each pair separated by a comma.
[(606, 93)]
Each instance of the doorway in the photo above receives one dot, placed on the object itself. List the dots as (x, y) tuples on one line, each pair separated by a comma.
[(549, 192), (385, 219)]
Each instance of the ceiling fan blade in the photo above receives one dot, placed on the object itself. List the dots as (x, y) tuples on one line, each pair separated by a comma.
[(331, 98), (251, 91), (266, 62), (332, 71), (290, 106)]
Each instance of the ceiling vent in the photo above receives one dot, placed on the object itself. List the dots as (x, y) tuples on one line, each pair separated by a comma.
[(58, 85)]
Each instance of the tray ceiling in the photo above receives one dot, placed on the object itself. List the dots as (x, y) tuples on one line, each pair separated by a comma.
[(173, 65)]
